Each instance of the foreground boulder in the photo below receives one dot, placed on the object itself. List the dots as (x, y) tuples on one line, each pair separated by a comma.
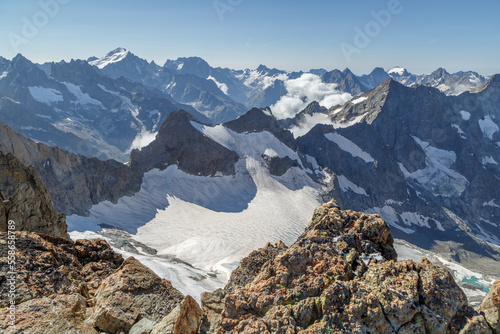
[(490, 307), (25, 200), (78, 287), (131, 293), (341, 276)]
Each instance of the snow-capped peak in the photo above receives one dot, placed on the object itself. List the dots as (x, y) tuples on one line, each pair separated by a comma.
[(112, 57), (397, 71)]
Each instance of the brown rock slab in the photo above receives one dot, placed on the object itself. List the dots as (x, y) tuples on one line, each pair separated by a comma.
[(490, 307), (132, 292), (185, 318)]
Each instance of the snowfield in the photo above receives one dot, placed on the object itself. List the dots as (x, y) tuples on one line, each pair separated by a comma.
[(211, 223)]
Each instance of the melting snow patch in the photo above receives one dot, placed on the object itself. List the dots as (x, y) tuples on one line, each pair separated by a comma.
[(359, 100), (438, 177), (465, 115), (81, 97), (271, 153), (348, 146), (390, 215), (413, 218), (488, 127), (491, 203), (459, 130), (222, 86), (475, 80), (30, 128), (345, 185), (489, 160), (3, 75), (46, 95)]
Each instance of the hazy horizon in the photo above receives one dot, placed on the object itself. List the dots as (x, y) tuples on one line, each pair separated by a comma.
[(289, 35)]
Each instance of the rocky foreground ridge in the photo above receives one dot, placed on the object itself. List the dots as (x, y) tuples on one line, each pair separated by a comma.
[(341, 276)]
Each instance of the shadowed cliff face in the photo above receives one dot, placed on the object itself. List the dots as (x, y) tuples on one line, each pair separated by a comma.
[(75, 182), (26, 201), (178, 142)]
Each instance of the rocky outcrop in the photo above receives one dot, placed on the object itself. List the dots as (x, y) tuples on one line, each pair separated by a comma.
[(26, 201), (184, 319), (129, 294), (341, 276), (79, 287), (278, 166), (490, 307), (178, 142)]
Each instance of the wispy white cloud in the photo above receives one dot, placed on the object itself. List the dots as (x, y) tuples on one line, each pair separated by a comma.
[(304, 90)]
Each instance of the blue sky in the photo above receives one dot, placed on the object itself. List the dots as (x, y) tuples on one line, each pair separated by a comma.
[(420, 35)]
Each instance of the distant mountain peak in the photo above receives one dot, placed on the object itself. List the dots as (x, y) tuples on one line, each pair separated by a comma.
[(117, 51), (113, 56), (398, 71)]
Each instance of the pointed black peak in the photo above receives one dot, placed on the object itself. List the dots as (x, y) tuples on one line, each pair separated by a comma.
[(259, 120), (314, 108), (19, 58), (177, 118), (19, 61), (378, 71), (253, 120), (263, 69), (440, 71), (347, 71)]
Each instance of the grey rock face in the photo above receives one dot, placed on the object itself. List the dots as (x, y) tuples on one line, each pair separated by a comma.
[(346, 81)]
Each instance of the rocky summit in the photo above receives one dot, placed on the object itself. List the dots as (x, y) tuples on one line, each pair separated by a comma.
[(341, 276)]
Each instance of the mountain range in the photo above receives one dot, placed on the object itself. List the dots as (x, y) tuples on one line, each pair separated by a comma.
[(106, 106), (193, 181)]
